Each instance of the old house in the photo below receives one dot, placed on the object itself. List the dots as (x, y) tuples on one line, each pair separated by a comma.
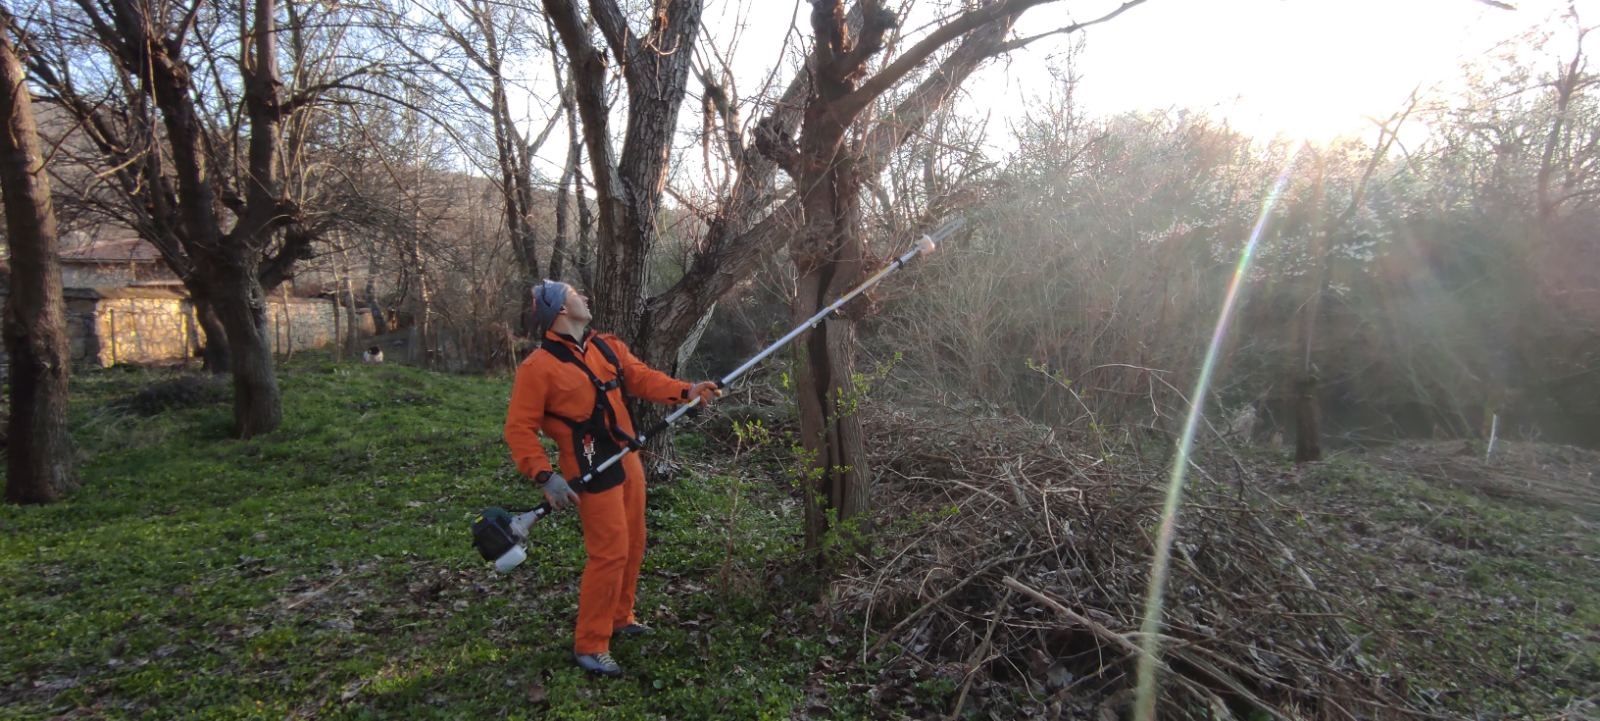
[(125, 306)]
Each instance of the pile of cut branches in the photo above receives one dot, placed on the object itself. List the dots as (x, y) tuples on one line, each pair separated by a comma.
[(1017, 569)]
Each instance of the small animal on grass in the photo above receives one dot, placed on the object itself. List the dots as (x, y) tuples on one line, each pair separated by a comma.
[(372, 355)]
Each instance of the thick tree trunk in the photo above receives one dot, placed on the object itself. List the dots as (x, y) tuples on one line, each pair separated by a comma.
[(830, 427), (628, 187), (422, 350), (828, 255), (241, 306), (213, 338), (38, 447)]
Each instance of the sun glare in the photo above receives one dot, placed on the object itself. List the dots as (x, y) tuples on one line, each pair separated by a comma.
[(1301, 69)]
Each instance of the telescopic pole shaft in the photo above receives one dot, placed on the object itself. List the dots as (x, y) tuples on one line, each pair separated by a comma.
[(925, 244)]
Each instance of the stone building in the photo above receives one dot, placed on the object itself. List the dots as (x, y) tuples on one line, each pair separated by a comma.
[(124, 306)]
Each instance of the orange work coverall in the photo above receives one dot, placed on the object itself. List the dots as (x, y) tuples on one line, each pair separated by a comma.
[(613, 519)]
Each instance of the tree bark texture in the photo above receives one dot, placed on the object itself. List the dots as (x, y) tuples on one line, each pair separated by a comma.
[(564, 195), (380, 324), (829, 255), (214, 346), (655, 70), (38, 446), (257, 407)]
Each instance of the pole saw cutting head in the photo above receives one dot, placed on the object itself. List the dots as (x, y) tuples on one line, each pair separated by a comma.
[(501, 536)]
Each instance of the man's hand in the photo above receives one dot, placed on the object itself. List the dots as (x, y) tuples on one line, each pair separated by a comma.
[(557, 493), (706, 391)]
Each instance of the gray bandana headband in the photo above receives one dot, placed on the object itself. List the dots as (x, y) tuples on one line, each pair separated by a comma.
[(549, 298)]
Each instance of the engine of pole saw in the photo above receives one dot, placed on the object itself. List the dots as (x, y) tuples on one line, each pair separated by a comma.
[(502, 538)]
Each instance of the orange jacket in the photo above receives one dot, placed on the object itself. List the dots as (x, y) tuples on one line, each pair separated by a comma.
[(546, 385)]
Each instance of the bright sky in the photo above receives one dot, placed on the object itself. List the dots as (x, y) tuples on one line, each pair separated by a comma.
[(1305, 68)]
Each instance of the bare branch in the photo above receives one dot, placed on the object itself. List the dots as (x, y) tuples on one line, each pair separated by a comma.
[(884, 79), (1020, 43), (614, 27)]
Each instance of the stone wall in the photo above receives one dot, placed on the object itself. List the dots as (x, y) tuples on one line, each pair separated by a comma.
[(310, 323), (130, 325), (108, 326)]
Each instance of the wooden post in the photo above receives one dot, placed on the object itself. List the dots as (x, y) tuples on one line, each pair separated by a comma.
[(338, 346), (288, 324), (186, 309)]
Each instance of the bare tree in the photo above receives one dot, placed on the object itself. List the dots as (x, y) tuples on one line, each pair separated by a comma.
[(1566, 143), (827, 163), (211, 73), (483, 44), (628, 186), (38, 446)]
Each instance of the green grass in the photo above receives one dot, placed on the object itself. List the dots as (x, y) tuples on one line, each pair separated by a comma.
[(1492, 606), (325, 571)]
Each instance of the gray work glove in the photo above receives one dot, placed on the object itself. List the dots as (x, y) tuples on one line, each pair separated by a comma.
[(557, 493)]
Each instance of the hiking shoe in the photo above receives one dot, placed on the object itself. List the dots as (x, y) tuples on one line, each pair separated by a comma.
[(600, 664), (632, 630)]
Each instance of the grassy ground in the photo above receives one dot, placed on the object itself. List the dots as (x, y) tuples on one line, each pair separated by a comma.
[(325, 571), (1486, 601)]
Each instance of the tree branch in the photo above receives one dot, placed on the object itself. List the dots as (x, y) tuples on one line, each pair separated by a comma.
[(614, 27), (774, 142), (876, 22), (884, 79), (1020, 43), (588, 67), (312, 94)]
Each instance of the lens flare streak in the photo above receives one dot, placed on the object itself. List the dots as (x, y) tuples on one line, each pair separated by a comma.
[(1149, 629)]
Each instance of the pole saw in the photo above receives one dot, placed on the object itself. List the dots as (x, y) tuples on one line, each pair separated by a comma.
[(501, 536)]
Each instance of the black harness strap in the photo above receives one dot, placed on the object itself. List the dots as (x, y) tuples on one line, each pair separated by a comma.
[(602, 387), (603, 419)]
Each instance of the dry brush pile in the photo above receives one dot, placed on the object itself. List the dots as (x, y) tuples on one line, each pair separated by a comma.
[(1007, 561)]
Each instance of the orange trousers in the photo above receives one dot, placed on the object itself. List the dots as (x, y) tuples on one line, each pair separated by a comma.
[(613, 538)]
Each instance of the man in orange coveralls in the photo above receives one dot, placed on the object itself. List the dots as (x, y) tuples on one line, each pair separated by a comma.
[(572, 389)]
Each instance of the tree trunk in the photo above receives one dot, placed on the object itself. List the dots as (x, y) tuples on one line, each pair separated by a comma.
[(583, 256), (241, 306), (380, 325), (340, 334), (628, 187), (1307, 421), (288, 323), (423, 331), (1308, 414), (748, 228), (214, 338), (830, 428), (569, 178), (828, 255), (1307, 425), (38, 446), (347, 296)]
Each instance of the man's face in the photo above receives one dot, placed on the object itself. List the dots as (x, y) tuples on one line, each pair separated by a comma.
[(577, 307)]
